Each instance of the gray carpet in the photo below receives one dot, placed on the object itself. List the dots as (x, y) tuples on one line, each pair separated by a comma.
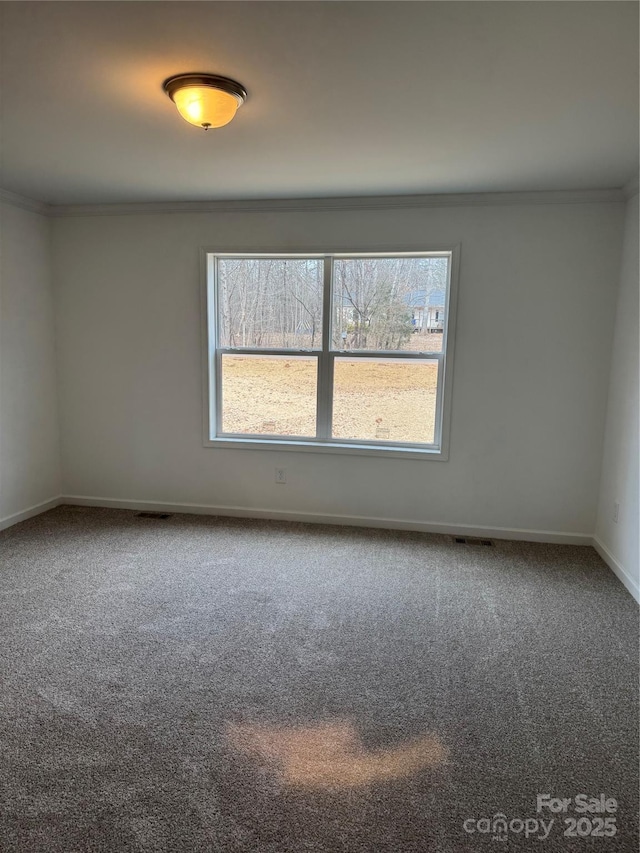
[(202, 684)]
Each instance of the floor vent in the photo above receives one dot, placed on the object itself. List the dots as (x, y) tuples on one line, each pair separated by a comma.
[(156, 515), (470, 540)]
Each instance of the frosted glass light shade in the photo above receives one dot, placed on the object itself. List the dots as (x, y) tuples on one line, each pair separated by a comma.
[(205, 100)]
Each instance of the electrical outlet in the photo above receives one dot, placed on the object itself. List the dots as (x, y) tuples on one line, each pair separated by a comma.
[(616, 511), (281, 476)]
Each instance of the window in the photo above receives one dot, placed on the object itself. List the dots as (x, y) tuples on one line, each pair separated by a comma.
[(343, 352)]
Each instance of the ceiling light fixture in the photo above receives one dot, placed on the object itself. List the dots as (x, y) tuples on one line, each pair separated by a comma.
[(205, 100)]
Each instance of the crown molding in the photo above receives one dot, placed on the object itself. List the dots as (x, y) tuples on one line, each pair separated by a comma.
[(631, 187), (30, 204), (319, 205)]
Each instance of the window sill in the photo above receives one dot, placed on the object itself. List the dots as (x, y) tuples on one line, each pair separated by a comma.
[(353, 449)]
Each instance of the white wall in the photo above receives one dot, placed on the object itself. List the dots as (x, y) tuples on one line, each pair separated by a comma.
[(29, 440), (620, 458), (535, 324)]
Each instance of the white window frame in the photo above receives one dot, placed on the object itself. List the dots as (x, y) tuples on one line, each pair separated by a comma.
[(212, 359)]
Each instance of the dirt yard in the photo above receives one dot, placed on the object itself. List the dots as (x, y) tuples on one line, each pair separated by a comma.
[(383, 401)]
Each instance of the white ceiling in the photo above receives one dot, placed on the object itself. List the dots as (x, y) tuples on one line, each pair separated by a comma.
[(345, 98)]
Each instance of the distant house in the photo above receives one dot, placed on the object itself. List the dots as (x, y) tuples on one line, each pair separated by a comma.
[(427, 310), (416, 301), (345, 311), (435, 311)]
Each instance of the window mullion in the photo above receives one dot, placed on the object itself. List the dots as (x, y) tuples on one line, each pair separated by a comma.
[(323, 417)]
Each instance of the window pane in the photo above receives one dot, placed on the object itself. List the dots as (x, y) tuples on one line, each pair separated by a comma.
[(270, 302), (269, 394), (389, 303), (385, 399)]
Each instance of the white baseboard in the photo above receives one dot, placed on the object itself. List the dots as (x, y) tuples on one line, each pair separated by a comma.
[(348, 520), (619, 571), (36, 509), (511, 533)]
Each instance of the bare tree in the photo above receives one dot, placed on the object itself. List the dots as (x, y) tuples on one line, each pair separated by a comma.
[(273, 302)]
